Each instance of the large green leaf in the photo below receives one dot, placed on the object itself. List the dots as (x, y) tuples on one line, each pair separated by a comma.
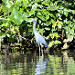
[(16, 17)]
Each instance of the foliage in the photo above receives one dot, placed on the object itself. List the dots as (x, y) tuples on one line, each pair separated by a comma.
[(55, 19)]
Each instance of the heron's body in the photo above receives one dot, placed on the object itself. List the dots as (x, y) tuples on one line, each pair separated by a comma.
[(40, 40)]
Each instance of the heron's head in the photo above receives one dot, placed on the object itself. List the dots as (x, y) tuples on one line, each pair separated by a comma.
[(32, 20)]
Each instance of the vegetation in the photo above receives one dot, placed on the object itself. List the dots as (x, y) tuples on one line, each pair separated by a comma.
[(56, 21)]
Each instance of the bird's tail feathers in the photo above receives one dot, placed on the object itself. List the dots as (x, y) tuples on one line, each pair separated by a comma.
[(45, 45)]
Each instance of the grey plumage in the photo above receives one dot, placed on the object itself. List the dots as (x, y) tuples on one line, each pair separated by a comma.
[(39, 39)]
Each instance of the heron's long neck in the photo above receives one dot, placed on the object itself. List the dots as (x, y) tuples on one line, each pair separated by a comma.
[(34, 28)]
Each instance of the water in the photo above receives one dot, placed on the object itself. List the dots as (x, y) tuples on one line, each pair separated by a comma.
[(53, 63)]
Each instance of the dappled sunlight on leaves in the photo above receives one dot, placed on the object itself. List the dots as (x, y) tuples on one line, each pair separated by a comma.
[(55, 20)]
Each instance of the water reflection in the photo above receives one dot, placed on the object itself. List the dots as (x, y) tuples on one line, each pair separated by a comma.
[(41, 66), (70, 63), (61, 63)]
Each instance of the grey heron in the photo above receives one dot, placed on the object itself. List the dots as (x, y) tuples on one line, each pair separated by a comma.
[(39, 39)]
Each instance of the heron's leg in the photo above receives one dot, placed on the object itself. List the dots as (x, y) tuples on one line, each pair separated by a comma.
[(42, 52), (39, 49)]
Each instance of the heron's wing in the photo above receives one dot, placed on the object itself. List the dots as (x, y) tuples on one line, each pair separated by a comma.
[(40, 40)]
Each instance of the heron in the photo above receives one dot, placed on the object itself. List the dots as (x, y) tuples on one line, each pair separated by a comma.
[(39, 39)]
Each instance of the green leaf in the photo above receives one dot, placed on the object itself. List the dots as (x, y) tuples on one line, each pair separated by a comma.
[(31, 12), (51, 44), (47, 28), (57, 42), (51, 8), (47, 23), (52, 15), (4, 25), (25, 3), (8, 35), (66, 14), (71, 31), (41, 17), (46, 13), (5, 10), (47, 17), (52, 21), (5, 1), (9, 4)]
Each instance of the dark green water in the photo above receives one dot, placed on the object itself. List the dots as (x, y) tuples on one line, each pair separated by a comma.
[(57, 63)]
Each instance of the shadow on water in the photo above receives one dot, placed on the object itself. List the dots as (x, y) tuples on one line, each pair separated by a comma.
[(52, 63)]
